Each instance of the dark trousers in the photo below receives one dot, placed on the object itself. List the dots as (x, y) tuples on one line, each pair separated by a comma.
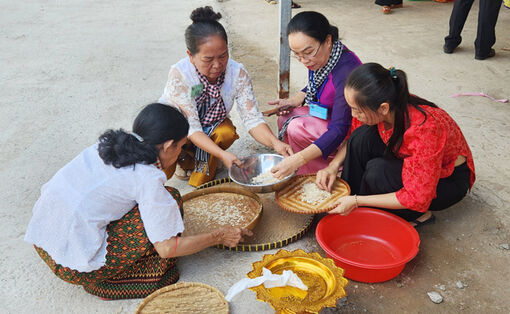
[(487, 18), (388, 2), (369, 171)]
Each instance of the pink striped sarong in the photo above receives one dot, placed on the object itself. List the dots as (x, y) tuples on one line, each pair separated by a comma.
[(301, 133)]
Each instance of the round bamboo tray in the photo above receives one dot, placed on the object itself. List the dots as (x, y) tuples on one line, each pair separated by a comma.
[(276, 228), (289, 197), (213, 192), (184, 298)]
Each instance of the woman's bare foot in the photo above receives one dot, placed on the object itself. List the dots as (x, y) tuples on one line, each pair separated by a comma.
[(182, 174)]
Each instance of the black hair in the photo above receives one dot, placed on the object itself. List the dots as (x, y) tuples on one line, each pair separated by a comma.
[(312, 24), (374, 85), (155, 124), (205, 24)]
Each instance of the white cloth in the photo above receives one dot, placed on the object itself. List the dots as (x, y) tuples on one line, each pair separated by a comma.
[(237, 87), (270, 280), (70, 217)]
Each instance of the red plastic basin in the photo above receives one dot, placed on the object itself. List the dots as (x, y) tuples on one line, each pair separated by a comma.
[(370, 245)]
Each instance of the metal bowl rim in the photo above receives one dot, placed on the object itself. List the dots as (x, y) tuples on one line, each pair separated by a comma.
[(257, 185)]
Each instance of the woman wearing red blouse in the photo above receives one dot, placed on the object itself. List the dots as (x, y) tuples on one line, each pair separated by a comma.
[(404, 155)]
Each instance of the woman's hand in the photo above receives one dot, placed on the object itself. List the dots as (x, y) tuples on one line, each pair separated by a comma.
[(282, 148), (285, 106), (344, 205), (325, 178), (231, 236), (287, 166), (228, 159)]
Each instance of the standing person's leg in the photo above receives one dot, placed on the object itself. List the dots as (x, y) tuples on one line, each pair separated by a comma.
[(486, 34), (223, 136), (388, 2), (387, 5), (459, 15), (363, 145)]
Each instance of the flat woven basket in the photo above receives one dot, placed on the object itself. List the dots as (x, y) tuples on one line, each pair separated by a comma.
[(255, 210), (276, 227), (184, 298), (288, 198)]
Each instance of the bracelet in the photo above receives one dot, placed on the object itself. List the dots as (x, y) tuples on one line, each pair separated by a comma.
[(175, 247), (302, 157), (356, 199)]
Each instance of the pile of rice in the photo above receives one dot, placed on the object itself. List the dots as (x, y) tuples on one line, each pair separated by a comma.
[(311, 194), (211, 211), (264, 179)]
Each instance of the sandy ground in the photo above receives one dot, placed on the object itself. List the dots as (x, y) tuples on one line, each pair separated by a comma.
[(71, 69)]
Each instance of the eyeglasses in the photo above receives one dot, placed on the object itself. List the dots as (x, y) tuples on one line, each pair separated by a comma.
[(306, 56)]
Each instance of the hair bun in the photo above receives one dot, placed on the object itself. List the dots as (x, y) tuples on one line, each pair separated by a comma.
[(204, 14)]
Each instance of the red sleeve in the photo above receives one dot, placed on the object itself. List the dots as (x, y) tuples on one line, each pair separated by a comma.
[(421, 170)]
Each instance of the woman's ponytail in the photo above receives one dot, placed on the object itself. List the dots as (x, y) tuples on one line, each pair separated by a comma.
[(119, 149), (398, 104)]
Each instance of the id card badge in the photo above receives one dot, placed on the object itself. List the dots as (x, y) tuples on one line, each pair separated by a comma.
[(318, 110), (196, 90)]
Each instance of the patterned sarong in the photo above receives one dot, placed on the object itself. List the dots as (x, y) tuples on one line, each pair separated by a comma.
[(133, 268)]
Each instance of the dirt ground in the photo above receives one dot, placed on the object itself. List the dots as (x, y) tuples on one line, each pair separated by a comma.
[(71, 69)]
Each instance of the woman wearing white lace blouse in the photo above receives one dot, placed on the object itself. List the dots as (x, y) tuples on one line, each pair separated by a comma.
[(204, 86)]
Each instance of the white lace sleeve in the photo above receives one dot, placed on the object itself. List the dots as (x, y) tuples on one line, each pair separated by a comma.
[(178, 94), (247, 105)]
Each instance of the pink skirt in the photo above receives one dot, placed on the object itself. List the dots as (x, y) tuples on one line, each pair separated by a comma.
[(301, 133)]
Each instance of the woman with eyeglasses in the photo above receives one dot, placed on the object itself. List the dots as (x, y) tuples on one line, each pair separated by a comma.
[(317, 119), (204, 86)]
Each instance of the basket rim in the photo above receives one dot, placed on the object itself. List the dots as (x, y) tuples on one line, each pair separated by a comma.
[(316, 211), (398, 220), (230, 189), (258, 185), (214, 293)]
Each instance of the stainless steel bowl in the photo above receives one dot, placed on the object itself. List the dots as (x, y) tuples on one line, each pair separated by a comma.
[(253, 166)]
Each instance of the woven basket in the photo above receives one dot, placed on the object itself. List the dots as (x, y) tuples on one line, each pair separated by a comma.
[(288, 198), (276, 228), (184, 298), (222, 189)]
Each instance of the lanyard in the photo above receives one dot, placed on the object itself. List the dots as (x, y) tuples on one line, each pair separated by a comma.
[(322, 86)]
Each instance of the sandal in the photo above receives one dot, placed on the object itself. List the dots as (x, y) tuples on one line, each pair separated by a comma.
[(386, 9), (417, 223)]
